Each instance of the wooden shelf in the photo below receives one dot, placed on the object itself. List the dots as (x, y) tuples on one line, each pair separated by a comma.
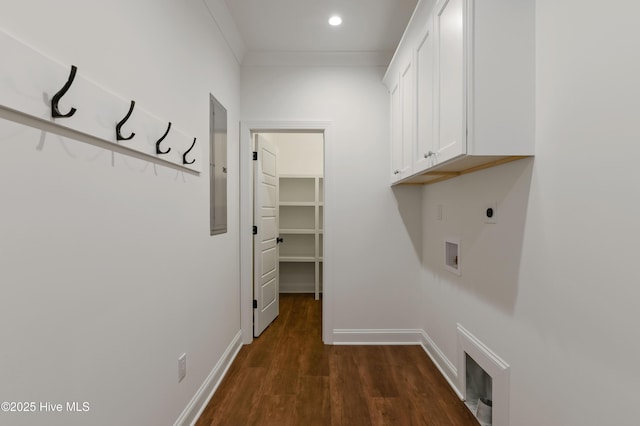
[(298, 203), (301, 212), (284, 231), (309, 259)]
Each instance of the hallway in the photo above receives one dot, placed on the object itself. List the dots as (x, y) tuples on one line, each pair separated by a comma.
[(289, 377)]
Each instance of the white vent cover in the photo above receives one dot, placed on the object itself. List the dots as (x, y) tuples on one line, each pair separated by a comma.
[(470, 347)]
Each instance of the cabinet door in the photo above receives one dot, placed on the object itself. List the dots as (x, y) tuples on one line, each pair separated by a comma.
[(402, 123), (424, 152), (451, 128), (408, 86), (396, 132)]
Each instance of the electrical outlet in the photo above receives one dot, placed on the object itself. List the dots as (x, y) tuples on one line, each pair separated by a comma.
[(182, 367), (490, 212)]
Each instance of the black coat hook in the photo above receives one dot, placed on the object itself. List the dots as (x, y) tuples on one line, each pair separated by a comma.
[(184, 156), (121, 123), (158, 150), (55, 112)]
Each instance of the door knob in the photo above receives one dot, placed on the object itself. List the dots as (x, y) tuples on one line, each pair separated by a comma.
[(279, 240)]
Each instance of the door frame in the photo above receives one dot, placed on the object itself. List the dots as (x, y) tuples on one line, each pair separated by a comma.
[(247, 128)]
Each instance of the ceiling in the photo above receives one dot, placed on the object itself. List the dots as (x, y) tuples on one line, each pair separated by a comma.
[(290, 26)]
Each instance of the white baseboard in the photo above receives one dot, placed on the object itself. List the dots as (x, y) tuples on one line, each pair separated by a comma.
[(446, 367), (376, 337), (200, 400)]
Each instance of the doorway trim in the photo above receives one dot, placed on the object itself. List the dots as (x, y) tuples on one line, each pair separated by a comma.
[(247, 128)]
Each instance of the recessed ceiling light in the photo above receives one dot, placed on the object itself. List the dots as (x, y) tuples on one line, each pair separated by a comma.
[(335, 20)]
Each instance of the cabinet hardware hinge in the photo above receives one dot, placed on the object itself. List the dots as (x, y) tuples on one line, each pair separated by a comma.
[(255, 304), (255, 230), (255, 155)]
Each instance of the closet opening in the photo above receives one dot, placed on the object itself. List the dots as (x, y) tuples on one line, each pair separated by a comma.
[(300, 208), (299, 276), (288, 218)]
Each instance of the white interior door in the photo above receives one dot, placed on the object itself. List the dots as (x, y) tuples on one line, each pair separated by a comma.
[(265, 259)]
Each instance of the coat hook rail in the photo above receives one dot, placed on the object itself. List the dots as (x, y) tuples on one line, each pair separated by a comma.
[(158, 150), (184, 156), (121, 123), (55, 112)]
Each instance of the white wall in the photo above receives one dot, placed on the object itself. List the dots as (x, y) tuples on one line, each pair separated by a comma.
[(552, 288), (107, 269), (299, 153), (374, 261)]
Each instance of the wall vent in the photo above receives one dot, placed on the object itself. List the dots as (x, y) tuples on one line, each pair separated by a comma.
[(483, 376)]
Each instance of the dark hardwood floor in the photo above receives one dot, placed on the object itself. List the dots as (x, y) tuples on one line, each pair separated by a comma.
[(288, 376)]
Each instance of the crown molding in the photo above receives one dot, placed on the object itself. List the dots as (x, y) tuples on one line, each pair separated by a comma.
[(223, 19), (316, 59)]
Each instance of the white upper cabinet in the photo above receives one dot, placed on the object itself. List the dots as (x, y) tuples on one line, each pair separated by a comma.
[(402, 122), (466, 99)]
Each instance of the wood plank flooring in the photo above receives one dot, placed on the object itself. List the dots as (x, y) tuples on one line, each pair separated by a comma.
[(288, 376)]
